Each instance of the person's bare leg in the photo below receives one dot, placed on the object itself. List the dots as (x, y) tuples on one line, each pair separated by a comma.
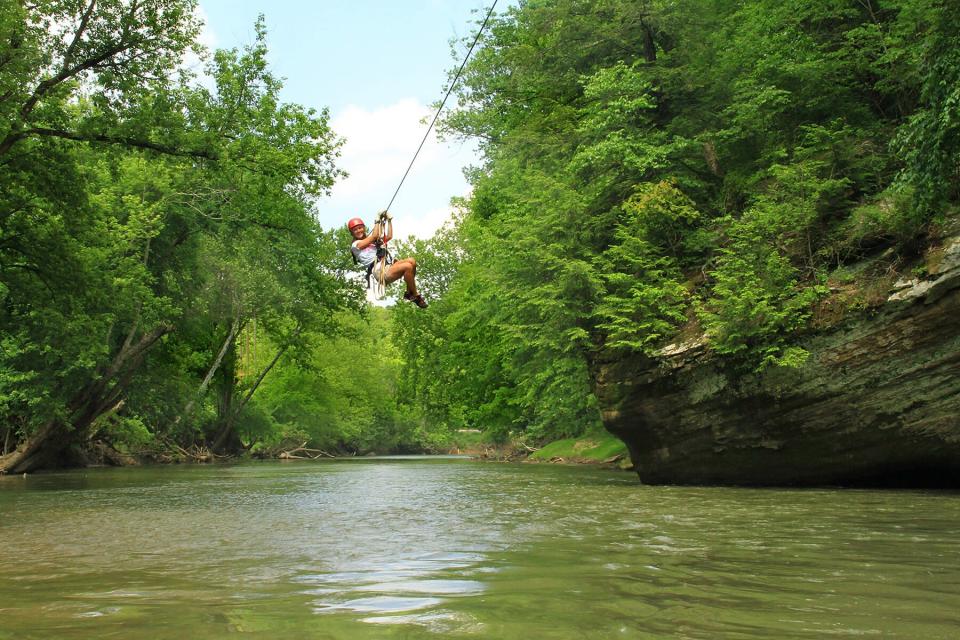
[(406, 269)]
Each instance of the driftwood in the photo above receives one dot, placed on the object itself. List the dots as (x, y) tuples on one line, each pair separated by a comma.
[(196, 452), (292, 454)]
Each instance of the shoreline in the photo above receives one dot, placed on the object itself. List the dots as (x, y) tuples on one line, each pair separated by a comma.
[(598, 449)]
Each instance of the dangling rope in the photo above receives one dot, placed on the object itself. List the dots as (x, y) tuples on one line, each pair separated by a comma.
[(449, 91), (380, 269)]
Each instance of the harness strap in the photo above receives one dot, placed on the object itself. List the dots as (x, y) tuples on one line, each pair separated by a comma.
[(384, 257), (369, 271)]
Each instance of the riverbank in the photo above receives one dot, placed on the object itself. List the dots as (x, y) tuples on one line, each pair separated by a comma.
[(596, 448), (874, 403)]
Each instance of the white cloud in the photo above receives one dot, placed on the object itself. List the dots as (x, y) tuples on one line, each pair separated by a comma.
[(207, 36), (380, 144), (426, 224), (207, 39)]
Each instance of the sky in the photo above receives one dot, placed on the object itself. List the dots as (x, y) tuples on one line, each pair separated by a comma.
[(377, 65)]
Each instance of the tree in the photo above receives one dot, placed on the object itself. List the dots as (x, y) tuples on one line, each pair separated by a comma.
[(111, 241), (118, 54)]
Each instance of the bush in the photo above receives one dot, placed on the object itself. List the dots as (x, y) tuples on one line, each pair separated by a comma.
[(757, 301)]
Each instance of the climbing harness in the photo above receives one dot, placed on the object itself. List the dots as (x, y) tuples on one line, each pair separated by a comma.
[(383, 260)]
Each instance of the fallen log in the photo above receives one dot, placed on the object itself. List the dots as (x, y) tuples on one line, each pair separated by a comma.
[(291, 454)]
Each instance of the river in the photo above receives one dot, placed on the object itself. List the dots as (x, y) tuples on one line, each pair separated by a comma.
[(436, 548)]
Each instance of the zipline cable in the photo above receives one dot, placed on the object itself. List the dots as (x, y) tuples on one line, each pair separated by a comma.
[(449, 91)]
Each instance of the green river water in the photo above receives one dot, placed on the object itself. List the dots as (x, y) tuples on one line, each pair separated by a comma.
[(436, 548)]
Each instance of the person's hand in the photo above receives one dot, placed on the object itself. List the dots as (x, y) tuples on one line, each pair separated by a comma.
[(385, 216)]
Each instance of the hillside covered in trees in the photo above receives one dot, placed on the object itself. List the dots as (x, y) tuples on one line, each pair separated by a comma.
[(660, 171), (652, 171)]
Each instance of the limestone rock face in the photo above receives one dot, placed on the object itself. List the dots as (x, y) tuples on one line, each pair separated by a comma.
[(877, 402)]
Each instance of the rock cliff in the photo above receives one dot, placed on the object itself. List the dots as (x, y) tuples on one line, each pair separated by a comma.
[(876, 403)]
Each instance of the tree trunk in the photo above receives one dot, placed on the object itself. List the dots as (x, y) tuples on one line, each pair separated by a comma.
[(226, 432), (45, 446), (33, 453), (227, 343), (649, 44), (49, 446), (227, 383), (227, 438)]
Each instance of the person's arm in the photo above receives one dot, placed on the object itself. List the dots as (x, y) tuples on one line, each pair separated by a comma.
[(363, 243), (388, 234)]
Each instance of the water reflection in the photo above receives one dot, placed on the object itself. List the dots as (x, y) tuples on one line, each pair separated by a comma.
[(400, 586), (446, 548)]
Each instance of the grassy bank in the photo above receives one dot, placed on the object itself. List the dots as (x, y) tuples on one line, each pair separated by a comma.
[(597, 447)]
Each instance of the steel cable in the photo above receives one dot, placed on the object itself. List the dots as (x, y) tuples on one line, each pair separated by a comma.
[(444, 102)]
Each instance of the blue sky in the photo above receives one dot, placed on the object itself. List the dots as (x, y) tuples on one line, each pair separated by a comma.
[(378, 66)]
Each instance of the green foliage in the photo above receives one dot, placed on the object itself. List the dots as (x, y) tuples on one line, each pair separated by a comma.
[(892, 215), (129, 433), (664, 216), (930, 140), (616, 127), (344, 397), (121, 55), (595, 446), (141, 217), (644, 298), (656, 167), (757, 303)]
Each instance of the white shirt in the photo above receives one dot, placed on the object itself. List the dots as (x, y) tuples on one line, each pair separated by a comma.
[(366, 255)]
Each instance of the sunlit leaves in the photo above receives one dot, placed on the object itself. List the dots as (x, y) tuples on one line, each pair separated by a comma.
[(132, 201), (657, 167), (757, 300)]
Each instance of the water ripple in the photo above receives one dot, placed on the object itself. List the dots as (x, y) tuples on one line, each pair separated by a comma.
[(437, 549)]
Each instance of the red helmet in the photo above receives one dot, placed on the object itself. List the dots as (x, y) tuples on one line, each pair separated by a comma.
[(354, 223)]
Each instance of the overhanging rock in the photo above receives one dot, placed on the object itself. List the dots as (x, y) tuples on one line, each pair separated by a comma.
[(877, 402)]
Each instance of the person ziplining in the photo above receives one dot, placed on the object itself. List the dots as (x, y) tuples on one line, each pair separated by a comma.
[(370, 251)]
